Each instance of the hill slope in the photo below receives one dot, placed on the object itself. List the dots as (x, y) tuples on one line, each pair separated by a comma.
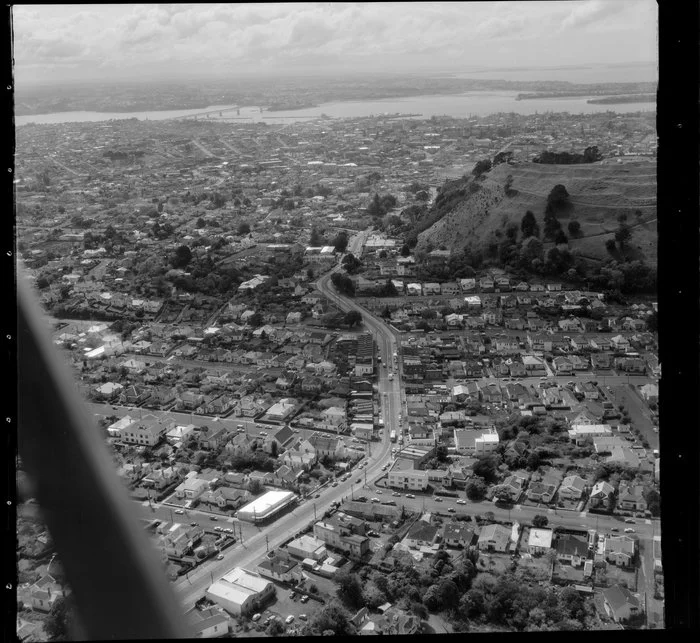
[(599, 192)]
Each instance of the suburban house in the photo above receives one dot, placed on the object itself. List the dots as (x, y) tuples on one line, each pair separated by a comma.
[(421, 534), (572, 488), (572, 549), (620, 603), (539, 541), (620, 550), (494, 538), (631, 497), (601, 493), (458, 535)]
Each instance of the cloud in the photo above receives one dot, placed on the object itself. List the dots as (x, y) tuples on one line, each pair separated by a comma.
[(591, 12)]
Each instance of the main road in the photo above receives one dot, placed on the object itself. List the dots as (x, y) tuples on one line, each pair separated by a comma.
[(246, 554)]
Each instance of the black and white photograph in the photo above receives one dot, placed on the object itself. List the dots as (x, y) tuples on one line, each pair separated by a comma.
[(337, 319)]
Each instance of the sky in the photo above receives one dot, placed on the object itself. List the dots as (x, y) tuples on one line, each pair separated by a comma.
[(61, 43)]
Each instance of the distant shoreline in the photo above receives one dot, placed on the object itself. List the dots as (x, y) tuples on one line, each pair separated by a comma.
[(622, 100)]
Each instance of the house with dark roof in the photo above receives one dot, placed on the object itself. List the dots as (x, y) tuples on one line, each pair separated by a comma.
[(456, 534), (571, 549), (494, 538), (421, 534)]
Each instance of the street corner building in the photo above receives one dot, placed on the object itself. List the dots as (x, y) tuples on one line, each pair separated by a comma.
[(266, 506), (240, 592)]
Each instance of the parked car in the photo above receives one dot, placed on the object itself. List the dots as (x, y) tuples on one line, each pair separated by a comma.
[(630, 521), (292, 595), (461, 502), (374, 500), (629, 530), (289, 619), (302, 617), (358, 481), (194, 524), (437, 499), (396, 494), (256, 617), (410, 495), (379, 491), (304, 598), (220, 557), (318, 495), (179, 512), (213, 518), (451, 509), (335, 484)]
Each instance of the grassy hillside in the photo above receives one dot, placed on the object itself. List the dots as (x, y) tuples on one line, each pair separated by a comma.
[(599, 193)]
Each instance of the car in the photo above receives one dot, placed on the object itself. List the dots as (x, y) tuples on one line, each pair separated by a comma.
[(461, 502), (194, 524), (655, 429), (373, 533), (396, 494), (263, 433), (335, 484), (302, 617), (358, 481), (289, 619), (379, 491), (220, 557), (374, 500), (256, 617), (304, 598), (629, 530), (451, 509), (213, 518), (217, 528), (318, 495), (292, 595), (630, 521), (437, 499), (614, 529), (410, 495), (179, 512)]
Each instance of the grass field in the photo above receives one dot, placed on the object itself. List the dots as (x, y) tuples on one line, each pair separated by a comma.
[(599, 193)]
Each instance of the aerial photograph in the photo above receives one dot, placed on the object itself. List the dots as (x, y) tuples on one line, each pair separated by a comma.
[(340, 319)]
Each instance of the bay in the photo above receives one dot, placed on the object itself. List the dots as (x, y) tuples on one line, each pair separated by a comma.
[(479, 103)]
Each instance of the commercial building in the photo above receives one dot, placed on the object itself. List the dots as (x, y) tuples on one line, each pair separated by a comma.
[(240, 592), (308, 547), (266, 506), (476, 441), (408, 479), (579, 432)]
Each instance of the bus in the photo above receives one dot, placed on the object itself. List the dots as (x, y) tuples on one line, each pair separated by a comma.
[(393, 436)]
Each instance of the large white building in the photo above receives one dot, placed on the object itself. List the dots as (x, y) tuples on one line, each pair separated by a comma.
[(240, 592), (579, 432), (408, 479), (476, 441), (266, 506)]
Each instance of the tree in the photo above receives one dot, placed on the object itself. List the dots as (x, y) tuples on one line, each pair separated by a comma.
[(182, 257), (343, 284), (574, 228), (405, 251), (610, 245), (353, 318), (274, 627), (558, 197), (476, 490), (349, 588), (243, 228), (481, 167), (386, 313), (540, 521), (340, 242), (528, 225), (560, 237), (60, 618), (351, 263), (486, 467), (623, 234), (218, 200), (316, 238)]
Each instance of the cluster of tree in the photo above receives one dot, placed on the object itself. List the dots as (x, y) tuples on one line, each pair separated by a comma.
[(590, 155), (351, 263), (332, 620), (316, 239), (380, 205), (557, 202), (502, 157), (528, 225), (343, 284), (481, 167), (508, 602), (628, 277), (340, 242)]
